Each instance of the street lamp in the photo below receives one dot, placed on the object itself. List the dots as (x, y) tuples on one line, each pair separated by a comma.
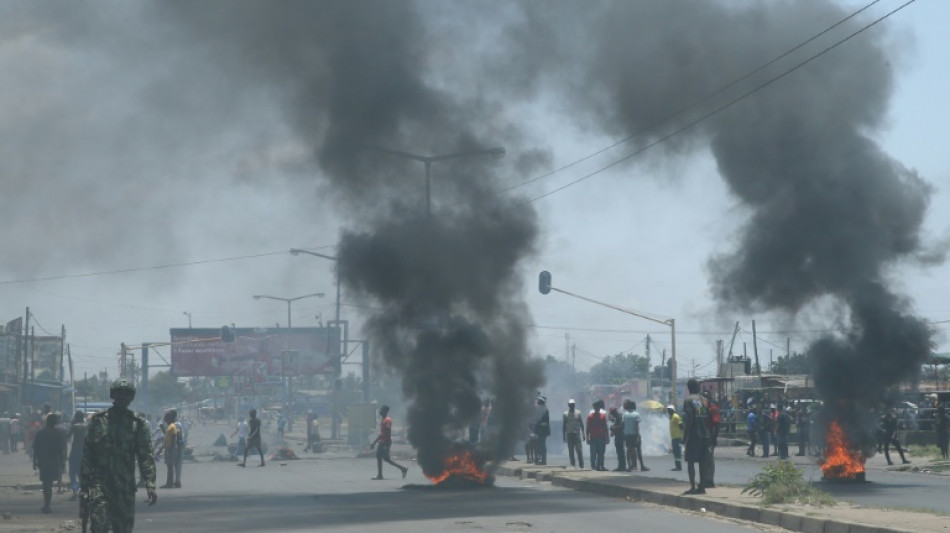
[(545, 287), (289, 300), (427, 160)]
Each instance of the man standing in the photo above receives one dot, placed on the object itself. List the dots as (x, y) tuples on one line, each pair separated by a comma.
[(696, 436), (385, 441), (616, 431), (631, 434), (542, 428), (115, 440), (572, 430), (173, 451), (253, 437), (714, 422), (803, 424), (783, 426), (676, 435), (752, 427), (597, 436), (766, 427), (49, 457)]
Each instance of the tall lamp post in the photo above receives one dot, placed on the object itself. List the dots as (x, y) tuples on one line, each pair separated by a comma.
[(334, 427), (289, 300), (544, 286), (427, 160)]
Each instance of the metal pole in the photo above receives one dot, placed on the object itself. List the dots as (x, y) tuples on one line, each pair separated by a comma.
[(428, 193), (673, 360), (288, 314), (366, 394)]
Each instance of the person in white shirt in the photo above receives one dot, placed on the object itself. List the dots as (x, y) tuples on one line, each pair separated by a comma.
[(631, 433)]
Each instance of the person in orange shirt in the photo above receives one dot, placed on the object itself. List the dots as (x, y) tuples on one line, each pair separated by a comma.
[(385, 441)]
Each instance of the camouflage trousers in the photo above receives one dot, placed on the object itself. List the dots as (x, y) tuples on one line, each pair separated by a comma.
[(115, 510)]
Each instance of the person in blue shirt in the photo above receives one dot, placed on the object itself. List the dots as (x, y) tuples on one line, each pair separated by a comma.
[(752, 426)]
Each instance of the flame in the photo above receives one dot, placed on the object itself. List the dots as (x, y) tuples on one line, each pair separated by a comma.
[(460, 462), (840, 459)]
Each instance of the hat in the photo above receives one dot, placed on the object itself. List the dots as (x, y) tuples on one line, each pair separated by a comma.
[(542, 399), (670, 407), (570, 402)]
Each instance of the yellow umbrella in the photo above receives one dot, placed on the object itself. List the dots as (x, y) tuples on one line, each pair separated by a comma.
[(653, 404)]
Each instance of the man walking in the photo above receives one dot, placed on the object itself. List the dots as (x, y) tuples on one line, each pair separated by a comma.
[(49, 457), (115, 440), (572, 431), (597, 436), (253, 437), (890, 424), (696, 436), (631, 434), (77, 433), (385, 441), (676, 436)]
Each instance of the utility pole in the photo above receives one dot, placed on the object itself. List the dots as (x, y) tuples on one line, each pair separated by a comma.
[(755, 350), (122, 361)]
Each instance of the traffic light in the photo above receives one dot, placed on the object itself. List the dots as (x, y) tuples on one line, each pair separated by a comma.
[(544, 282), (226, 334)]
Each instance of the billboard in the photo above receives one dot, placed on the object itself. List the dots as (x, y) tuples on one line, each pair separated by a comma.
[(257, 354), (10, 346), (46, 354)]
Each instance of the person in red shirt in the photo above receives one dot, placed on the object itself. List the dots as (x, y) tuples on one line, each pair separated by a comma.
[(385, 441), (597, 435)]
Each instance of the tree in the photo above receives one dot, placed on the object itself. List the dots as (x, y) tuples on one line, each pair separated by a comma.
[(796, 363), (165, 389), (617, 369)]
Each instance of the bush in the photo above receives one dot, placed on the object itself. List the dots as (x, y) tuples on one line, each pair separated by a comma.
[(783, 482)]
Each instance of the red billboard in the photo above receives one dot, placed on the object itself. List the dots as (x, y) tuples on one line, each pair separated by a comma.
[(257, 354)]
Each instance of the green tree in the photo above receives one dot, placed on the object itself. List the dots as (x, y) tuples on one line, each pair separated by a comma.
[(796, 363), (619, 368), (165, 389)]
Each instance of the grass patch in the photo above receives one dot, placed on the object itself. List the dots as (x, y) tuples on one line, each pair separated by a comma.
[(783, 482), (924, 451)]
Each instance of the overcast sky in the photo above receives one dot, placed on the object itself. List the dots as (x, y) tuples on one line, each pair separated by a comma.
[(132, 152)]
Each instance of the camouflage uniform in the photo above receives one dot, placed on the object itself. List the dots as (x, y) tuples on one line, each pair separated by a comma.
[(114, 440)]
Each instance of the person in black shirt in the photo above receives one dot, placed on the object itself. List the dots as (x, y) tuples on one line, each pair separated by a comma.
[(253, 437), (890, 424), (783, 426), (696, 436), (49, 456)]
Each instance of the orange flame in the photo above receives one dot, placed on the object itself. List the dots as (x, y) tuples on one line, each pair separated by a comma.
[(840, 459), (460, 463)]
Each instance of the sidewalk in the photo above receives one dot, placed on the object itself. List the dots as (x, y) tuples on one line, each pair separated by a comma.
[(729, 502), (21, 498)]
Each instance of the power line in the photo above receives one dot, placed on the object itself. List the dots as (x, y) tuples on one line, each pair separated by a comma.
[(702, 118), (695, 103)]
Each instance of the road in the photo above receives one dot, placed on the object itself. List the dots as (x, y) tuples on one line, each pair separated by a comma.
[(337, 494)]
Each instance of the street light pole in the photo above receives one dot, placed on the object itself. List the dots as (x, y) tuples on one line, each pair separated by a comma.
[(545, 287), (289, 300), (427, 160)]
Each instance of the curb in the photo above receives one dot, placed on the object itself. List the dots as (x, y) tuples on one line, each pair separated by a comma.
[(750, 513)]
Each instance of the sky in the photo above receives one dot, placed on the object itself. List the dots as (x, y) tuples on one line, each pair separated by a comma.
[(146, 184)]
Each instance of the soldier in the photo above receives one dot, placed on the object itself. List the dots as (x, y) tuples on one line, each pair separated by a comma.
[(115, 440)]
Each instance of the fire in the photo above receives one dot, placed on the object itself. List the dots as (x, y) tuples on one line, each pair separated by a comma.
[(841, 461), (461, 462)]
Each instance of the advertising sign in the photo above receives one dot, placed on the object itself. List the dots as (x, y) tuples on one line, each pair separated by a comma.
[(257, 354), (10, 346), (47, 356)]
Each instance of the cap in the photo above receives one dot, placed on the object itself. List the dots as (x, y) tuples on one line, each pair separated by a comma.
[(542, 399), (570, 402), (671, 407)]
